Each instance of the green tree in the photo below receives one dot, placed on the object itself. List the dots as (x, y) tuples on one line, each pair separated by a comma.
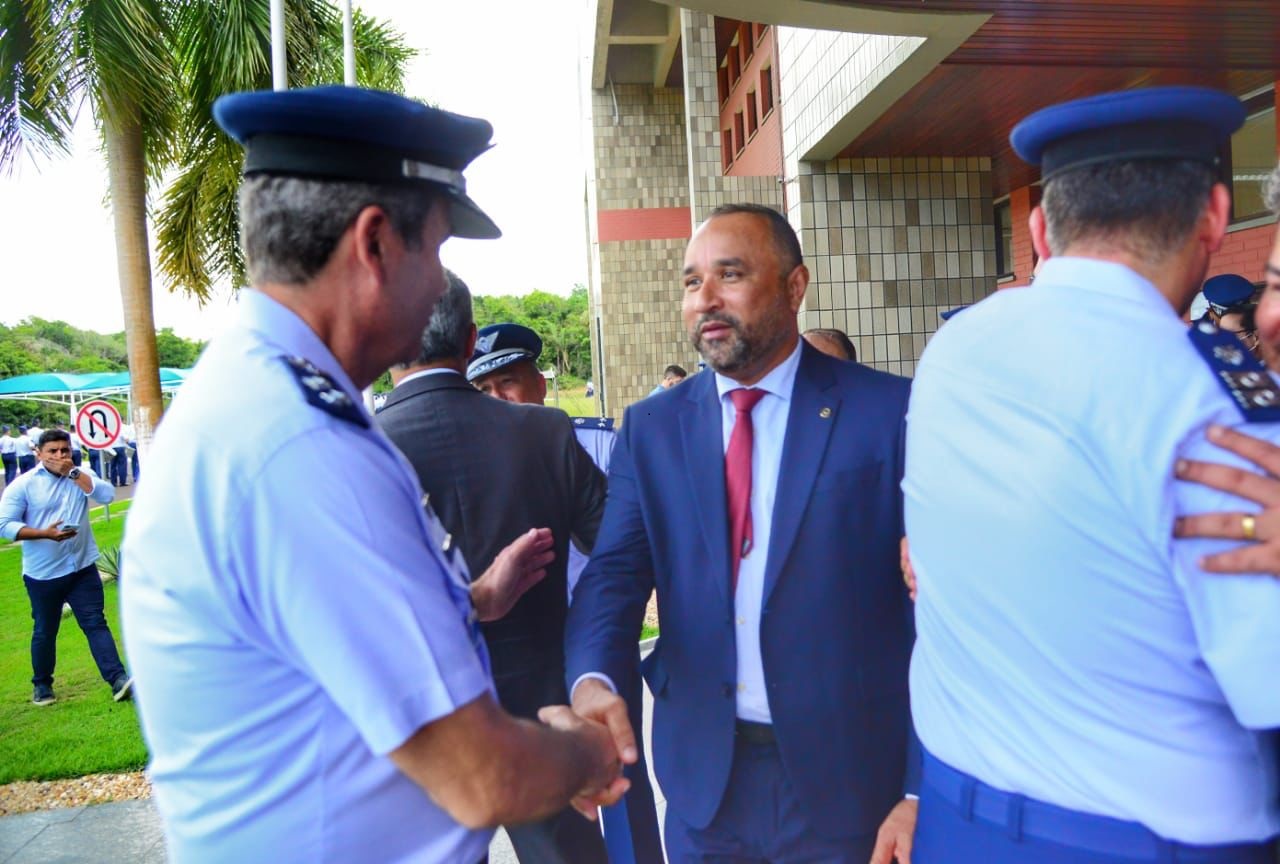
[(150, 70), (174, 352), (561, 322)]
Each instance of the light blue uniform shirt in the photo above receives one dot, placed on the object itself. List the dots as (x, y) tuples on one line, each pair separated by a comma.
[(290, 619), (1068, 649), (39, 498), (599, 443)]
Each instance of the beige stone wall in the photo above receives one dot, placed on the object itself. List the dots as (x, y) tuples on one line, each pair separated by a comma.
[(640, 161), (890, 243)]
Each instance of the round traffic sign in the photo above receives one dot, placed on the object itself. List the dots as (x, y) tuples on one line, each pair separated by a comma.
[(98, 424)]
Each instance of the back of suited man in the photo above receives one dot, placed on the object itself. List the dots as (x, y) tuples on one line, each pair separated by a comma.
[(492, 470)]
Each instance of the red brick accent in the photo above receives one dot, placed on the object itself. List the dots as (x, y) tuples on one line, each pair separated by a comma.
[(652, 223), (1244, 252), (1021, 202), (762, 155)]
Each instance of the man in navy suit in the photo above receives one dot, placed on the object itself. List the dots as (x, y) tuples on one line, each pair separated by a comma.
[(761, 500)]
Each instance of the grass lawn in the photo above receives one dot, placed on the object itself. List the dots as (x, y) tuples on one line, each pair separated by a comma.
[(574, 401), (84, 732)]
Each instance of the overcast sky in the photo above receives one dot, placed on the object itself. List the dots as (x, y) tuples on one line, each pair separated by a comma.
[(514, 64)]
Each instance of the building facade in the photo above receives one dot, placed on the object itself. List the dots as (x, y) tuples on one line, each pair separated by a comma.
[(881, 131)]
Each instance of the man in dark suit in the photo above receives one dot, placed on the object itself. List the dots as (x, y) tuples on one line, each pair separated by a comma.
[(505, 366), (762, 501), (493, 470)]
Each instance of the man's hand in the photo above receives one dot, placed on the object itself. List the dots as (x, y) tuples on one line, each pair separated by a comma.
[(517, 568), (58, 465), (1262, 556), (607, 784), (58, 533), (593, 700), (893, 840), (908, 572)]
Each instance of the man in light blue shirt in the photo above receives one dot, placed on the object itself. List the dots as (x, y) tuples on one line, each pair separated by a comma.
[(314, 687), (1083, 691), (48, 510)]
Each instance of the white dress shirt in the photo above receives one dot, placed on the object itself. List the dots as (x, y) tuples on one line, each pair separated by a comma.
[(769, 428)]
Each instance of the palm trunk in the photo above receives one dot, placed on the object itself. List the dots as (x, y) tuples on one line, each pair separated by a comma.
[(128, 188)]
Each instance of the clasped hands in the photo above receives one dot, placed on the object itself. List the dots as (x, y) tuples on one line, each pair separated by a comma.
[(600, 715)]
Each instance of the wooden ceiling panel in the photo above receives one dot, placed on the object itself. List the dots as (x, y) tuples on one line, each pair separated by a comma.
[(1034, 53)]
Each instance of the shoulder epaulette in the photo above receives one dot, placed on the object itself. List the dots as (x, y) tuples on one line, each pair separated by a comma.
[(324, 393), (1245, 379), (605, 423)]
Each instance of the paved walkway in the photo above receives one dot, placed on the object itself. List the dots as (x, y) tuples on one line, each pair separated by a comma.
[(130, 831)]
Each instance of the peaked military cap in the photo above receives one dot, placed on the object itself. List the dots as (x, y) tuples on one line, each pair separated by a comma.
[(350, 133), (500, 345), (1227, 290), (1147, 123)]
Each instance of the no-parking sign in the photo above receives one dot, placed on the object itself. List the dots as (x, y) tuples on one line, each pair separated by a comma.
[(98, 424)]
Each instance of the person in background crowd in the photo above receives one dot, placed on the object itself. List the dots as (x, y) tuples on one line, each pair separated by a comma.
[(119, 455), (47, 509), (25, 450), (313, 682), (671, 376), (77, 454), (8, 454), (506, 345), (832, 342), (762, 502), (505, 364), (130, 438), (1083, 692), (34, 432), (1224, 294)]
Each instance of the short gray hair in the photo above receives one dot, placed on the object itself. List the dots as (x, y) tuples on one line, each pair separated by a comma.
[(1146, 207), (450, 326), (1271, 191), (289, 226)]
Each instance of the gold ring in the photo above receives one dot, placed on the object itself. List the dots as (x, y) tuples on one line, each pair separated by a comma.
[(1247, 526)]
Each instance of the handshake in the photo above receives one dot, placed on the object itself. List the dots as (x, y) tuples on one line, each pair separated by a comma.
[(598, 720)]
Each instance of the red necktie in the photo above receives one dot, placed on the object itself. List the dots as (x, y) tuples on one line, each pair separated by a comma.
[(737, 477)]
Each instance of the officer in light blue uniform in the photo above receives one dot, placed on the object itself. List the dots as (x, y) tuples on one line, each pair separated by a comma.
[(1222, 294), (289, 628), (1083, 691)]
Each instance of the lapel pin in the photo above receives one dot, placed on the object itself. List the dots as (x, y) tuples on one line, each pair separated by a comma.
[(825, 413)]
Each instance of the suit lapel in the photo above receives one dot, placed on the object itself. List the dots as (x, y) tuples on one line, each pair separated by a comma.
[(702, 434), (815, 407)]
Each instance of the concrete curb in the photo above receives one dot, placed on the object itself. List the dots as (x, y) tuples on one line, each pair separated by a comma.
[(646, 645)]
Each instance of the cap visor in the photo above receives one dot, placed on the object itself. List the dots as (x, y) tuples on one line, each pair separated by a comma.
[(468, 220)]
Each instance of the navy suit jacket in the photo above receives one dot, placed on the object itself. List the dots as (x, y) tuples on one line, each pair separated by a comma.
[(836, 630)]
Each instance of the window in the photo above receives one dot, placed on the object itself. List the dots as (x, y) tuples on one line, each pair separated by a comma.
[(726, 149), (766, 91), (746, 44), (1253, 156), (752, 120), (1004, 239), (735, 70), (758, 31), (722, 83), (739, 140)]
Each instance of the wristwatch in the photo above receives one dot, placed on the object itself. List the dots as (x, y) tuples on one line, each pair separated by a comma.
[(74, 474)]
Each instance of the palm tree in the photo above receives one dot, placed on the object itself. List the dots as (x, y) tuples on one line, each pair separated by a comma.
[(150, 70)]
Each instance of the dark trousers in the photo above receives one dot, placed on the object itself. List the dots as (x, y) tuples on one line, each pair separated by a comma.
[(631, 826), (26, 463), (134, 460), (76, 456), (83, 591), (760, 820), (119, 468), (95, 462), (566, 837), (10, 467), (965, 821)]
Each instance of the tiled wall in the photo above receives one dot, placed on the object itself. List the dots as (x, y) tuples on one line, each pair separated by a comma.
[(640, 162), (890, 243), (708, 186), (823, 75)]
